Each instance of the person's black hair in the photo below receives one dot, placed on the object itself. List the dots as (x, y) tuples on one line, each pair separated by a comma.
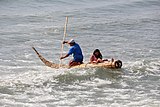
[(97, 56)]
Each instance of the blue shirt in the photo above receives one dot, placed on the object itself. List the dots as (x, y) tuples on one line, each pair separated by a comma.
[(77, 53)]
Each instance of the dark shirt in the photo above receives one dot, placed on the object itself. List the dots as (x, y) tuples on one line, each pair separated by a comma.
[(77, 53)]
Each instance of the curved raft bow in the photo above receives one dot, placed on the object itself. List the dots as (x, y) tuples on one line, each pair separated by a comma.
[(46, 62), (106, 64)]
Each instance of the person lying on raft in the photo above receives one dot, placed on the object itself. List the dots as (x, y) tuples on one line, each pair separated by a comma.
[(96, 57), (76, 51)]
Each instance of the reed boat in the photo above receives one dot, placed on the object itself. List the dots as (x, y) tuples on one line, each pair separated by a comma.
[(107, 64)]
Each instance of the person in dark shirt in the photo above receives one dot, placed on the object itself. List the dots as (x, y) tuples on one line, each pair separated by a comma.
[(76, 51)]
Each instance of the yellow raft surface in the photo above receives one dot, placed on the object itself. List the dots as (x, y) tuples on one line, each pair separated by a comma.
[(106, 64)]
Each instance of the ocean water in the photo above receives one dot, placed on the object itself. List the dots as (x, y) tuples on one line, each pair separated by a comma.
[(128, 30)]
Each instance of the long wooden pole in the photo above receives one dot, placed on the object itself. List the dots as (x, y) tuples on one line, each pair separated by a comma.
[(62, 45)]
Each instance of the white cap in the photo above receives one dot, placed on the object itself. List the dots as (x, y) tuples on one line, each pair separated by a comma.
[(71, 41)]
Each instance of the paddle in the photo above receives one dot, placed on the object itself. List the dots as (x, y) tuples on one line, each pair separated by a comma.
[(62, 45)]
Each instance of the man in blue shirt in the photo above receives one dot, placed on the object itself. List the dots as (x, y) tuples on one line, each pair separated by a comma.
[(76, 51)]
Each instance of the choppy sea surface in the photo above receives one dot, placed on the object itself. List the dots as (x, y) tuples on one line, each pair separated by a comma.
[(128, 30)]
